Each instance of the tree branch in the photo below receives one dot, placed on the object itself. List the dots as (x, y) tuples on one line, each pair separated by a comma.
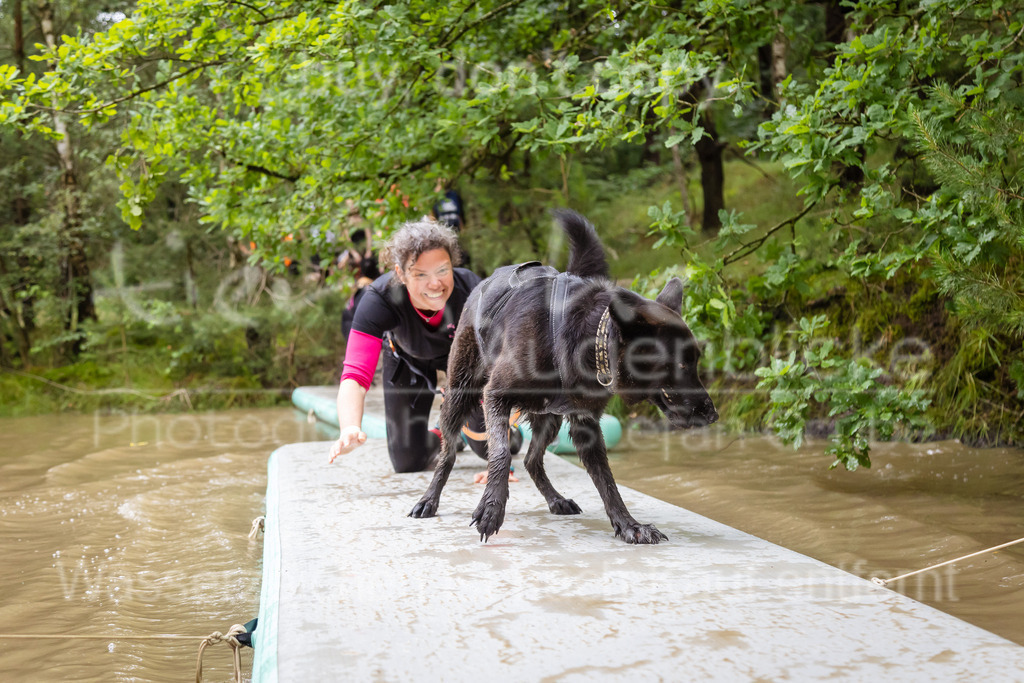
[(390, 175), (750, 247), (473, 24), (254, 8), (131, 95), (255, 168), (455, 24)]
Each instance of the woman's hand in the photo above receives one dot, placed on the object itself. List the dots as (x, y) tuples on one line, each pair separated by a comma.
[(350, 438)]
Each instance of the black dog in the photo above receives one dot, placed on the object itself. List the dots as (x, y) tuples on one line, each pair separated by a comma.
[(561, 344)]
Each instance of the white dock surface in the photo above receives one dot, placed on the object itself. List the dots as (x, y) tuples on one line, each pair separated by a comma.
[(355, 590)]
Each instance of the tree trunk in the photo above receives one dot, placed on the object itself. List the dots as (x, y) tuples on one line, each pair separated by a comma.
[(765, 81), (21, 314), (771, 64), (684, 190), (191, 289), (19, 36), (779, 70), (9, 309), (75, 285), (835, 21), (712, 174)]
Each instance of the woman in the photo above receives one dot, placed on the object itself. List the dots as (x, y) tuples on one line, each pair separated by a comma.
[(412, 312)]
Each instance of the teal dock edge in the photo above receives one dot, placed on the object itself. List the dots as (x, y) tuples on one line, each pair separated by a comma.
[(264, 666), (321, 402)]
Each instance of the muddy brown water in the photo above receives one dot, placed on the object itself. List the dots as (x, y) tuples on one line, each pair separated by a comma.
[(119, 526), (132, 525)]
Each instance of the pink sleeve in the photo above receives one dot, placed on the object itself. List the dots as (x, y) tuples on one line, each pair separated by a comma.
[(361, 356)]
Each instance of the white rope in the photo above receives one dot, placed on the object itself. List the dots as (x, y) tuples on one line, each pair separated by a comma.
[(216, 637), (257, 526), (885, 582), (74, 636)]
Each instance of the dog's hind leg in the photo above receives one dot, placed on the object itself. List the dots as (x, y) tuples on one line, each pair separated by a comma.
[(490, 513), (586, 435), (462, 396), (545, 429)]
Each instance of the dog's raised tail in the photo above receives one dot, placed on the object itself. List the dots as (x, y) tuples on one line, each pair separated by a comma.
[(586, 253)]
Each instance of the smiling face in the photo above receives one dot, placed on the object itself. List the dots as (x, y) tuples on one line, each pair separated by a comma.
[(430, 279)]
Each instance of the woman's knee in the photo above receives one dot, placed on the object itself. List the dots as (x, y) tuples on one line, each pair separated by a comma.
[(415, 453)]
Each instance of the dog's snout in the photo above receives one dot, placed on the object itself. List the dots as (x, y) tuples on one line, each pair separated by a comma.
[(703, 419), (690, 417), (708, 412)]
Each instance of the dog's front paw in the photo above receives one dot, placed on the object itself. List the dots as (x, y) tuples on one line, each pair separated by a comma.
[(425, 508), (646, 534), (564, 506), (488, 518)]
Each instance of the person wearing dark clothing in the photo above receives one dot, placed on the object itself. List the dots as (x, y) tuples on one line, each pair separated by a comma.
[(411, 313), (365, 270), (449, 211)]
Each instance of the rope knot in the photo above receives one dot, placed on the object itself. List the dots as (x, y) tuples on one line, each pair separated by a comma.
[(217, 637)]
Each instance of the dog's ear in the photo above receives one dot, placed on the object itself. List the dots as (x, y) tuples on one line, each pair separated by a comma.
[(638, 317), (672, 295), (623, 309)]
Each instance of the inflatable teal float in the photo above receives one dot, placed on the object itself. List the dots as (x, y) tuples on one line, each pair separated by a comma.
[(322, 402)]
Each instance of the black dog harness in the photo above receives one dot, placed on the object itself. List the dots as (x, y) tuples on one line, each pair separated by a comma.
[(534, 270), (515, 281)]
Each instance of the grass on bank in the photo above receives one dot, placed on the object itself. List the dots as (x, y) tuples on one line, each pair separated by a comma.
[(199, 360)]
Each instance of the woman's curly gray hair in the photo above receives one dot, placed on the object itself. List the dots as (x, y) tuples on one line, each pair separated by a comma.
[(416, 237)]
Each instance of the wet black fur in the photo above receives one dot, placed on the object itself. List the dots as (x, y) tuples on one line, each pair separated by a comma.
[(504, 352)]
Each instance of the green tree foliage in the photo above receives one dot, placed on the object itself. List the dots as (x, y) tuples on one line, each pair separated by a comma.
[(288, 110), (925, 101), (54, 205), (898, 122)]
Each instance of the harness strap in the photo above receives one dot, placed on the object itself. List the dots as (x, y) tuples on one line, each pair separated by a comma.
[(513, 423), (559, 296), (402, 357), (604, 341), (515, 280), (476, 436)]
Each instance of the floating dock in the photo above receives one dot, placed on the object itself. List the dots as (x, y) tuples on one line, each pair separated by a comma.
[(353, 589)]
